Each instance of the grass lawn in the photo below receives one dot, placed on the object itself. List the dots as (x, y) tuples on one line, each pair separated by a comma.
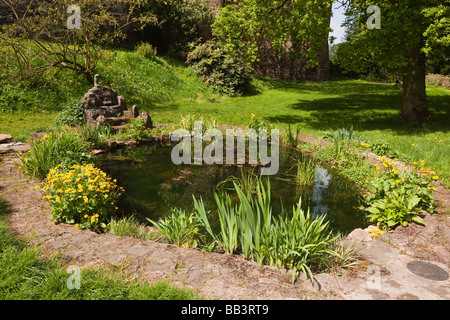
[(168, 91), (372, 109)]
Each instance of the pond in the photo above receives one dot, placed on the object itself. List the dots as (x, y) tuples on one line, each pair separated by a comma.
[(154, 184)]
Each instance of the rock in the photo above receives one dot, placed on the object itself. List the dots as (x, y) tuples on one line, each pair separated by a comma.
[(148, 120), (102, 105), (102, 101), (14, 147), (4, 138), (358, 235), (134, 111)]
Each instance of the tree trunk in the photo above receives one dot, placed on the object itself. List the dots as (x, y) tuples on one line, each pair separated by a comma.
[(88, 77), (415, 106)]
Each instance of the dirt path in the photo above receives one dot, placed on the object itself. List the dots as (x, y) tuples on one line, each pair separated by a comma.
[(389, 268)]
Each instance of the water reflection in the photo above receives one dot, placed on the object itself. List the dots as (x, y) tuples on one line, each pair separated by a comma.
[(154, 184)]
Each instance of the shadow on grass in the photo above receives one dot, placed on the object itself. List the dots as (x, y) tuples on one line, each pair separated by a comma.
[(366, 106)]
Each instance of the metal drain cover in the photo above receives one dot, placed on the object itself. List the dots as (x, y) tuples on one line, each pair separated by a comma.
[(427, 270)]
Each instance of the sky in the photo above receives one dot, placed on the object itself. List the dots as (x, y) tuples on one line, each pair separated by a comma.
[(336, 21)]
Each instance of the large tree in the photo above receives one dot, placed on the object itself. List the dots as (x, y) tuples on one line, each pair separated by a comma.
[(293, 28), (410, 32), (40, 42)]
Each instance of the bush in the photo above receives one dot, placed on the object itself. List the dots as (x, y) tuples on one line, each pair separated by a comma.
[(136, 129), (181, 22), (227, 75), (71, 115), (81, 194), (397, 197), (56, 148), (146, 50)]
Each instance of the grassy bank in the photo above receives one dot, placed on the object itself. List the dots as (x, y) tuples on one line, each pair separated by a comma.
[(168, 90)]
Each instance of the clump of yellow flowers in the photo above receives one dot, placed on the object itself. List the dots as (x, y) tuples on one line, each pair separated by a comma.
[(82, 195)]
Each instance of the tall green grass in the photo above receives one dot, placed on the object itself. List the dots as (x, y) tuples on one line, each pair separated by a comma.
[(65, 147)]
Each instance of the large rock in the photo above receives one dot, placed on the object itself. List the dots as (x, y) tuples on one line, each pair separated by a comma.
[(4, 138), (359, 235), (102, 105), (102, 101)]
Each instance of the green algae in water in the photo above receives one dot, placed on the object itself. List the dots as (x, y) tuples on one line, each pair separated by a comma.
[(154, 184)]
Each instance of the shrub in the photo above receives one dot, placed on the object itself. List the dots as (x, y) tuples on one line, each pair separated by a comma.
[(181, 22), (397, 197), (81, 194), (147, 50), (136, 129), (226, 75), (56, 148), (71, 115)]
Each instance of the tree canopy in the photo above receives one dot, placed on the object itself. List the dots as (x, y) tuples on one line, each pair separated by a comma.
[(40, 42), (411, 32), (292, 27)]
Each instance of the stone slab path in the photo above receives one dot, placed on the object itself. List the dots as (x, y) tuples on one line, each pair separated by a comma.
[(384, 272)]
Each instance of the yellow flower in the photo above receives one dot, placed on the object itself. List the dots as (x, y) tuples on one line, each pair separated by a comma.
[(252, 115), (86, 216), (76, 226), (412, 145), (57, 199), (435, 177), (106, 196), (86, 199)]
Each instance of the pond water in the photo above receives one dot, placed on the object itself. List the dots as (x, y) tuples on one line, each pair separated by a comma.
[(154, 184)]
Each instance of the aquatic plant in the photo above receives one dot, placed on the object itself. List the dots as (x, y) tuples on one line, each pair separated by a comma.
[(295, 240)]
